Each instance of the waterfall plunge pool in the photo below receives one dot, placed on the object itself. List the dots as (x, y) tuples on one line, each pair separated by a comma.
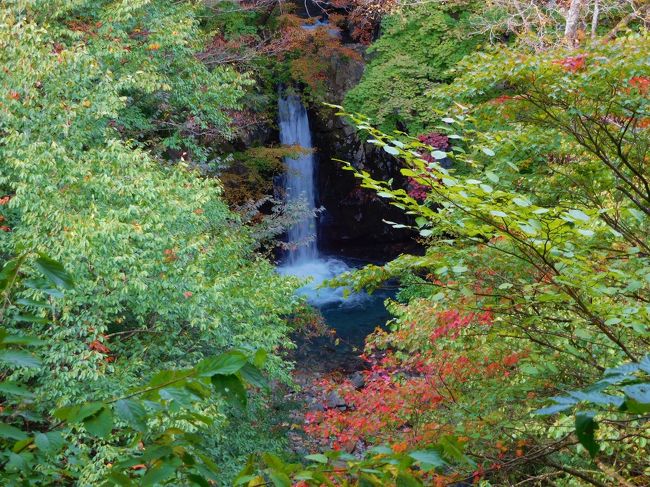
[(352, 316)]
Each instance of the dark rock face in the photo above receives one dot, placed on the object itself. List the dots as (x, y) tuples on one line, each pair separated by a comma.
[(354, 217)]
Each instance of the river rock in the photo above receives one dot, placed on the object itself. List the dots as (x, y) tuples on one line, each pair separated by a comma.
[(357, 380), (333, 400)]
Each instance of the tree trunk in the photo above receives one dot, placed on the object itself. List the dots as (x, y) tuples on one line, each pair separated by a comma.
[(572, 21), (594, 18)]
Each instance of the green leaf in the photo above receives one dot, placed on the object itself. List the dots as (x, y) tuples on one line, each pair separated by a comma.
[(521, 202), (279, 479), (54, 272), (30, 318), (428, 457), (644, 364), (18, 358), (259, 359), (231, 388), (9, 388), (10, 271), (76, 414), (23, 340), (100, 424), (596, 397), (253, 376), (407, 480), (225, 364), (49, 443), (132, 412), (634, 407), (638, 392), (158, 474), (391, 150), (304, 475), (453, 449), (33, 303), (487, 151), (421, 221), (318, 457), (579, 215), (492, 177), (585, 429), (11, 432)]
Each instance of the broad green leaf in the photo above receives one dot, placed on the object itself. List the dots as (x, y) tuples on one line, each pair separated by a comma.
[(521, 202), (639, 392), (317, 457), (224, 364), (428, 457), (100, 424), (11, 432), (8, 388), (556, 408), (133, 412), (644, 364), (453, 449), (253, 376), (10, 271), (49, 443), (585, 429), (54, 272), (492, 176), (18, 358), (158, 474), (579, 215), (231, 388), (407, 480), (279, 479)]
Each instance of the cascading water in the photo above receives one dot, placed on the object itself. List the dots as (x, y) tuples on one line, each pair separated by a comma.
[(294, 130), (352, 315), (303, 260)]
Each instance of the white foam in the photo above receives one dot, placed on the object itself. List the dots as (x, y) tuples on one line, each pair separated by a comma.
[(317, 271)]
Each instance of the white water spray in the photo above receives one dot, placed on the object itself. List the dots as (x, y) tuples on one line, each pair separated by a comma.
[(303, 259)]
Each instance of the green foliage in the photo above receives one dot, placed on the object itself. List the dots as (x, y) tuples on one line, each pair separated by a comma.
[(552, 249), (165, 274), (157, 417), (379, 466), (415, 52)]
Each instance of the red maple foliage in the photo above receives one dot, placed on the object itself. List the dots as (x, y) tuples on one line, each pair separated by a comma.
[(572, 64)]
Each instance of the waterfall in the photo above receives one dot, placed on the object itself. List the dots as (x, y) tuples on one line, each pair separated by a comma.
[(294, 130), (303, 259)]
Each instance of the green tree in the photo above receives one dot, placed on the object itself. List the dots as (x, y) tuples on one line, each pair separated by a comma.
[(166, 275), (553, 249), (417, 47)]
